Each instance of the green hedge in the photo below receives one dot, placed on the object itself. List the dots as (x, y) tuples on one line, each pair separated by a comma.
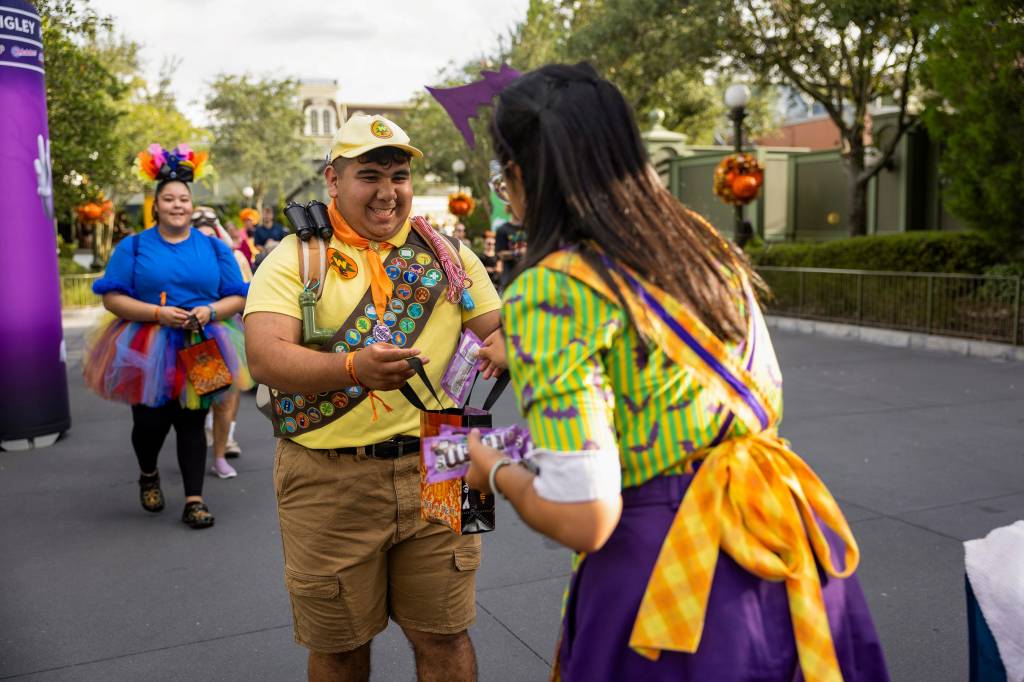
[(964, 252)]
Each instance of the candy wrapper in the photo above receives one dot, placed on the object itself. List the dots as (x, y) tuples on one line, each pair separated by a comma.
[(446, 456), (458, 379)]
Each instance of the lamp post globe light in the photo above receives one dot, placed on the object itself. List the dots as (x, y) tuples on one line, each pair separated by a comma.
[(736, 98), (458, 167), (248, 193)]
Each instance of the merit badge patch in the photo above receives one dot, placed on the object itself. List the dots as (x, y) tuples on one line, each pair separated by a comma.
[(381, 130), (342, 264)]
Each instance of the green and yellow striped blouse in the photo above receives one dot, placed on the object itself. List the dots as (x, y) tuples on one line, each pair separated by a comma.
[(582, 383)]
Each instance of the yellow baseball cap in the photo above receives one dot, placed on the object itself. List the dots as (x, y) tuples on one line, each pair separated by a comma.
[(362, 133)]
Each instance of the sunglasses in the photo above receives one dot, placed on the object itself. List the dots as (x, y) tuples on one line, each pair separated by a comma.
[(204, 217)]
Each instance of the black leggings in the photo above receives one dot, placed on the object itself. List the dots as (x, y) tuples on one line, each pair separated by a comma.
[(149, 430)]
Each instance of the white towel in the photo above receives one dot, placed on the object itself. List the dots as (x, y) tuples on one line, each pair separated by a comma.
[(995, 567)]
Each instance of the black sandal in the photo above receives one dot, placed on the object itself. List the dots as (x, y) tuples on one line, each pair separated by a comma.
[(150, 494), (197, 515)]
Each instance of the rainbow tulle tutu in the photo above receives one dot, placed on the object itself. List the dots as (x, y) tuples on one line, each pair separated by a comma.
[(137, 362)]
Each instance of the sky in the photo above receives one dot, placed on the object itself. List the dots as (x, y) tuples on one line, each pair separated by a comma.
[(379, 52)]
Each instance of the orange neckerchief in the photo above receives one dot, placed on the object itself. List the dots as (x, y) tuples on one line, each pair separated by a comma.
[(381, 287)]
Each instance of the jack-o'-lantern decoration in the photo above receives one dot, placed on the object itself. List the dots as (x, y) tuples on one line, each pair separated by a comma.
[(738, 179), (460, 204)]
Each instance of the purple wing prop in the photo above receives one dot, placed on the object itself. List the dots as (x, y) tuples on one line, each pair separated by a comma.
[(462, 102)]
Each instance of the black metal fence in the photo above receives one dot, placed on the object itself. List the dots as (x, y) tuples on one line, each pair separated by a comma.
[(967, 306)]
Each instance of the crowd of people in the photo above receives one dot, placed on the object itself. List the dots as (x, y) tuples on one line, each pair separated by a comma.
[(634, 339)]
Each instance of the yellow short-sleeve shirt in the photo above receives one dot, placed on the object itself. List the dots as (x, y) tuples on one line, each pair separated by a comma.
[(275, 288)]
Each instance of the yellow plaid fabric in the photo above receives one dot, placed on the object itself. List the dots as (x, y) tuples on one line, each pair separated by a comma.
[(752, 497)]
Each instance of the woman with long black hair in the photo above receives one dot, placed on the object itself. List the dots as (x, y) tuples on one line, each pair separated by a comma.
[(707, 549)]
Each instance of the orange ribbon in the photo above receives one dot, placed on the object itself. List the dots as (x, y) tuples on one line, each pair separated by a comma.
[(381, 287)]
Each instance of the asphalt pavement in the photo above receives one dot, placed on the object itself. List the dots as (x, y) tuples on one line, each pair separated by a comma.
[(923, 451)]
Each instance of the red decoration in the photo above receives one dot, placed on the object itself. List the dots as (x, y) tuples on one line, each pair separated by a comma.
[(460, 204), (738, 179)]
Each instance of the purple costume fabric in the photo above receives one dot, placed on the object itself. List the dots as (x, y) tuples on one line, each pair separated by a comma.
[(748, 635)]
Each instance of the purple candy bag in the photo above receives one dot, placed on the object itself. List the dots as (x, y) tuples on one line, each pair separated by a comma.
[(446, 456), (462, 370)]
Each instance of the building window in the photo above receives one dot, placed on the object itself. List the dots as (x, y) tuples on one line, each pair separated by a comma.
[(328, 120), (314, 122)]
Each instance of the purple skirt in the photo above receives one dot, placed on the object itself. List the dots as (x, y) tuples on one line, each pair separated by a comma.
[(747, 634)]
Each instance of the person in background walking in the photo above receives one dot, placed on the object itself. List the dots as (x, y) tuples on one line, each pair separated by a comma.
[(220, 421), (161, 285), (490, 259), (269, 233)]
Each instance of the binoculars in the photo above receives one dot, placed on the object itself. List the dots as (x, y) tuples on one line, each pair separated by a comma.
[(309, 220)]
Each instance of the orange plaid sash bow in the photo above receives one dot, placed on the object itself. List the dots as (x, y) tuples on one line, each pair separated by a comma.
[(752, 497)]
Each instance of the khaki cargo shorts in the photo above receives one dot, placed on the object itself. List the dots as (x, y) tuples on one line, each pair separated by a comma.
[(356, 551)]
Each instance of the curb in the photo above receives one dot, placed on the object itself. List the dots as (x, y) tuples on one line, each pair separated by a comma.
[(80, 318), (900, 339)]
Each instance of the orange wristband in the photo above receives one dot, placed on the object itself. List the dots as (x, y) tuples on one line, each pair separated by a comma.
[(156, 313), (350, 366)]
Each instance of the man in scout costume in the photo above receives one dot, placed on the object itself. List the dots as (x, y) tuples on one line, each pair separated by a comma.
[(346, 471)]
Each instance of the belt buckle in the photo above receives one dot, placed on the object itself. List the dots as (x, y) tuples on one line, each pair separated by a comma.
[(360, 450)]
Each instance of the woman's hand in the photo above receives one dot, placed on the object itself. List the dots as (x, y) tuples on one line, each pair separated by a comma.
[(171, 316), (492, 354), (201, 313), (481, 460)]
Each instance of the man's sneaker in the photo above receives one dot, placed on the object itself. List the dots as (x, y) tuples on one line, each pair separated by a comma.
[(232, 450), (222, 469)]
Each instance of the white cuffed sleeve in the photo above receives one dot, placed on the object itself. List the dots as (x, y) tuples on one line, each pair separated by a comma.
[(576, 476)]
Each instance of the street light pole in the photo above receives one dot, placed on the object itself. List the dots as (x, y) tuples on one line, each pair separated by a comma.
[(458, 167), (736, 98)]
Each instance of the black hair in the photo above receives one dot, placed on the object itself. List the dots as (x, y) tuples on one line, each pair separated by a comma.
[(382, 156), (588, 182)]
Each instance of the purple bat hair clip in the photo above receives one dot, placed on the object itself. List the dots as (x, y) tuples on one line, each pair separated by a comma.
[(462, 102)]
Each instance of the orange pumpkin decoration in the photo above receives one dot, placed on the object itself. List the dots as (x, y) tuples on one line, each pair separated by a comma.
[(738, 179), (745, 187), (93, 211), (460, 204)]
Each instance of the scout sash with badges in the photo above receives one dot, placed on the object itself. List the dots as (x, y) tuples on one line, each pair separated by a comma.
[(752, 496), (420, 281)]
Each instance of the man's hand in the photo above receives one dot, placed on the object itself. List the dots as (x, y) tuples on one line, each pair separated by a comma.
[(492, 354), (383, 366)]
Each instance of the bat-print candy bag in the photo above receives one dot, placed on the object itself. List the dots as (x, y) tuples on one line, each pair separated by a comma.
[(452, 502)]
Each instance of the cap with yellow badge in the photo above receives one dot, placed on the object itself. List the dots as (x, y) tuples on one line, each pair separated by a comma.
[(361, 134)]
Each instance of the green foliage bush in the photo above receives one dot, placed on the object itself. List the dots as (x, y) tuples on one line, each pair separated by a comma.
[(963, 252), (70, 267)]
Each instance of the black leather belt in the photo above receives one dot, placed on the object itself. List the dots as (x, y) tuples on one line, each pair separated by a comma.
[(388, 449)]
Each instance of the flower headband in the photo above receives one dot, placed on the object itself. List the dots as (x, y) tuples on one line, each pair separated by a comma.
[(157, 164)]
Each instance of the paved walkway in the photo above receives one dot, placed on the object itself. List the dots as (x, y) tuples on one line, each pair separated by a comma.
[(923, 450)]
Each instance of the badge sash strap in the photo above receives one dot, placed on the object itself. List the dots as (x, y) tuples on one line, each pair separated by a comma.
[(408, 312), (752, 496)]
